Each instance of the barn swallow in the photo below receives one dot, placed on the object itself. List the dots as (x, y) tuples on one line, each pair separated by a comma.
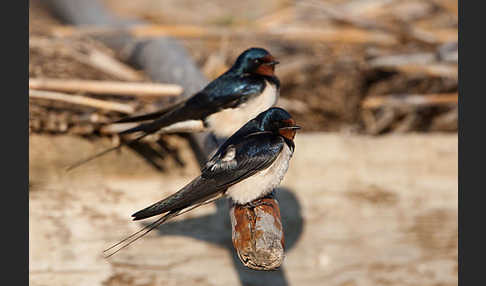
[(247, 166), (223, 106)]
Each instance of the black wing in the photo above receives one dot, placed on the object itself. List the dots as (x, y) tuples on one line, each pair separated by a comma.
[(235, 163), (229, 166), (239, 161), (224, 92)]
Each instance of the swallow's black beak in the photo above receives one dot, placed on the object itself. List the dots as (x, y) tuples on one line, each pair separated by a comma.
[(288, 131), (272, 63), (295, 127)]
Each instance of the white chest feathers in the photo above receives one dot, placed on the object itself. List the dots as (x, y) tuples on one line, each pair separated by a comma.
[(262, 182), (228, 121)]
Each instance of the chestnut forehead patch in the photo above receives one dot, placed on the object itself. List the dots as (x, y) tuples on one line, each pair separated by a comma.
[(268, 58), (289, 121)]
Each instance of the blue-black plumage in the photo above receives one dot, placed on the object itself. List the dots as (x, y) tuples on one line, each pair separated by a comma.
[(254, 148), (247, 166), (248, 78), (249, 87)]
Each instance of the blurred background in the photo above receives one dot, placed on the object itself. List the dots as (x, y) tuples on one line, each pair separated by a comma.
[(371, 194)]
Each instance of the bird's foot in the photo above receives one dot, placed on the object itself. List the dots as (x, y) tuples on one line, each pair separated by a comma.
[(253, 204)]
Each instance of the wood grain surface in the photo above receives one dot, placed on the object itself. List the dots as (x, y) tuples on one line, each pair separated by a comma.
[(356, 210)]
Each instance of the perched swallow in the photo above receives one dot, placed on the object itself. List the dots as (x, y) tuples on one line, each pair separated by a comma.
[(223, 106), (247, 166)]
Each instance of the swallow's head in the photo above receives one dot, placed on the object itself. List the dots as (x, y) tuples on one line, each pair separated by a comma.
[(279, 122), (256, 61)]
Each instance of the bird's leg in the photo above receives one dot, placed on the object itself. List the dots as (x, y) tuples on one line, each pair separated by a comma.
[(260, 201), (254, 204)]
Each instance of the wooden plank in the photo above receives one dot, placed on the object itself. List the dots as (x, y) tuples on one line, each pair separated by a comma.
[(105, 87), (400, 100), (82, 100), (291, 33), (356, 210)]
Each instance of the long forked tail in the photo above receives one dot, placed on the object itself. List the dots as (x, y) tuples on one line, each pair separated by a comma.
[(148, 129), (139, 234), (165, 118), (198, 190), (142, 232), (123, 143)]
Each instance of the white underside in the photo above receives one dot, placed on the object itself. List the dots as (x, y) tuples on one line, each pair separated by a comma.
[(189, 126), (228, 121), (223, 123), (262, 182), (184, 126)]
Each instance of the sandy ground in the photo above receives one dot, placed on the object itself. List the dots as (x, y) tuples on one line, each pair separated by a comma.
[(357, 211)]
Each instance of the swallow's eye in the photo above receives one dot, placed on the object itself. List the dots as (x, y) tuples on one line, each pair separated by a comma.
[(256, 61)]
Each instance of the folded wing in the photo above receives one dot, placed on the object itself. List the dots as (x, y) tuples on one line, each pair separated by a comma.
[(229, 166)]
